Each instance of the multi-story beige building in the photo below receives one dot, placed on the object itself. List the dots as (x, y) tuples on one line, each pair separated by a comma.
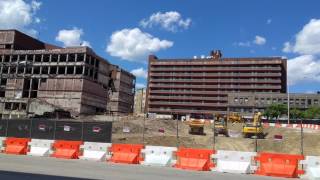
[(139, 101), (248, 103)]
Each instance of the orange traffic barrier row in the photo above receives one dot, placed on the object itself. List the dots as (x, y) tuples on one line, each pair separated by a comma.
[(268, 164), (126, 153), (194, 159), (279, 165), (67, 149), (17, 146)]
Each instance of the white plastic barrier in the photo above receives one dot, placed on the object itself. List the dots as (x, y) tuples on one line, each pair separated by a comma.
[(234, 161), (312, 167), (2, 143), (40, 147), (158, 155), (95, 151)]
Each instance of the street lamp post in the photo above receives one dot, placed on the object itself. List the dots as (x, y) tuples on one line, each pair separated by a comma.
[(288, 103)]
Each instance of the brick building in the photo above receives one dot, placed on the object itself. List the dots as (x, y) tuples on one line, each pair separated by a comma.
[(122, 97), (201, 85), (37, 74)]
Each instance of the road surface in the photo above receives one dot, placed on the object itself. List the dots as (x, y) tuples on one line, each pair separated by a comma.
[(27, 167)]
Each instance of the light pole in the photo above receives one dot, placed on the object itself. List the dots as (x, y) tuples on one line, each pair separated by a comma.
[(288, 101)]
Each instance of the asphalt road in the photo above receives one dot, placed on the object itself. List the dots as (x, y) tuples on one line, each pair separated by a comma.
[(26, 167)]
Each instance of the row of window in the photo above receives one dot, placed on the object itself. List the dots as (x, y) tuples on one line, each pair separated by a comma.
[(52, 70), (50, 58), (245, 100), (214, 66)]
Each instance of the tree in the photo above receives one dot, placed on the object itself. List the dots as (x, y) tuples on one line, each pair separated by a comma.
[(312, 113), (275, 110), (296, 113)]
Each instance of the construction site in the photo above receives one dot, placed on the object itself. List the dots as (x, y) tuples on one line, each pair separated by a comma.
[(176, 133), (203, 114)]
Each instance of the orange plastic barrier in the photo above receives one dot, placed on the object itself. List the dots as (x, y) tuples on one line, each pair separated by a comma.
[(279, 165), (194, 159), (16, 145), (126, 153), (67, 149)]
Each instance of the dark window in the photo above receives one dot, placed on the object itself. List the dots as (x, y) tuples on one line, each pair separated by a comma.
[(46, 58), (79, 70), (54, 57), (61, 70), (38, 58), (44, 70), (63, 58), (7, 106), (36, 70), (53, 70), (71, 58), (70, 69), (80, 57)]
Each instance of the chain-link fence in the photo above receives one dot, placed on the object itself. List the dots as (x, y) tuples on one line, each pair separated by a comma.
[(172, 131)]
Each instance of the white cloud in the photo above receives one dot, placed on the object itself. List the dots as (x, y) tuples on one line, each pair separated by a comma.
[(135, 45), (305, 68), (287, 47), (170, 21), (307, 41), (243, 44), (140, 85), (140, 72), (259, 40), (72, 37), (269, 21), (18, 14)]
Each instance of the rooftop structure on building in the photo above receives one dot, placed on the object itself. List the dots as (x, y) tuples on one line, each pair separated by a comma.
[(37, 77)]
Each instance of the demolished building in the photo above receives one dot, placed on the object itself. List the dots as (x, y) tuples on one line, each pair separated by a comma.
[(37, 77)]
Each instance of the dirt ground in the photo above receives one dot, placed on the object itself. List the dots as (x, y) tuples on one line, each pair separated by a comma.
[(164, 133)]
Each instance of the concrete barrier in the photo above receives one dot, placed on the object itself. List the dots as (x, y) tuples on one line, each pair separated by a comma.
[(40, 147), (312, 167), (158, 156), (95, 151), (2, 143), (234, 161)]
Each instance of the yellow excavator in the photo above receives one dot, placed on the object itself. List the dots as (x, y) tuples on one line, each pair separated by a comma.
[(253, 128), (234, 118), (220, 125), (196, 125)]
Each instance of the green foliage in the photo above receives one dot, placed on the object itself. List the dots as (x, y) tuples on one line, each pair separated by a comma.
[(296, 113), (275, 110), (312, 113)]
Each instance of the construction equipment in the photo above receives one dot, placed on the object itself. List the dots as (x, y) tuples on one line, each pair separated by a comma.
[(196, 125), (220, 125), (253, 128), (234, 118)]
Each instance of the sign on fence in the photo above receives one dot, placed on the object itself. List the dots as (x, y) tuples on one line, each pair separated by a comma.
[(97, 131), (42, 129)]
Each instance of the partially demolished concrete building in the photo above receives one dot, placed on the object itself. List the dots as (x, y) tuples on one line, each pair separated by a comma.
[(37, 77)]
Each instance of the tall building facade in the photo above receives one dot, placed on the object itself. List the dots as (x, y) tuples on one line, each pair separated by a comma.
[(139, 101), (121, 98), (74, 79), (201, 85), (248, 103)]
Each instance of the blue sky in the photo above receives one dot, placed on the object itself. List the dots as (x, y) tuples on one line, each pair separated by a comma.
[(245, 28)]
